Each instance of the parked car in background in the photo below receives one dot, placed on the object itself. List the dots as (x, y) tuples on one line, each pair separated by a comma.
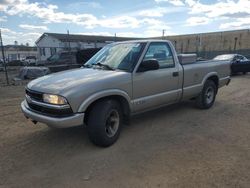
[(239, 63), (69, 57), (61, 58), (30, 61), (82, 56)]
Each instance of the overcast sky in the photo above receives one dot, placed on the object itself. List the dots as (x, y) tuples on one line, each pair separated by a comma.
[(26, 20)]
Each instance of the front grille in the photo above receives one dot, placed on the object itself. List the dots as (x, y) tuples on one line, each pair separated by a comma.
[(38, 96), (50, 111)]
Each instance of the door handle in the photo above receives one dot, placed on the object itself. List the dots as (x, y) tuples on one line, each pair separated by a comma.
[(175, 74)]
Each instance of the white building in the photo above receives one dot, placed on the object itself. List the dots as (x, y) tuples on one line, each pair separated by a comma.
[(50, 43), (18, 52)]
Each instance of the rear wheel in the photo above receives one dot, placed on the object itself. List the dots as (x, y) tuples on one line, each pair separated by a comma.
[(207, 97), (104, 122)]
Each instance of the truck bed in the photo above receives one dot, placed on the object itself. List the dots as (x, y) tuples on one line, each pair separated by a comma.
[(194, 75)]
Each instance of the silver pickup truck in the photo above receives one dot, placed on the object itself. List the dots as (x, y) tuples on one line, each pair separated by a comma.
[(121, 80)]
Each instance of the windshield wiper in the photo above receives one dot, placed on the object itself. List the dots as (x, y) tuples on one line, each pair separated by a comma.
[(104, 65)]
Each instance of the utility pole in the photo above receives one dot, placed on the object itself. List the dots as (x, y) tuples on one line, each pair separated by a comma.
[(163, 33), (4, 62), (68, 40), (235, 43)]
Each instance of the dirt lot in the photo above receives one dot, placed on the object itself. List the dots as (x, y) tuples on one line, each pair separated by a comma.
[(177, 146)]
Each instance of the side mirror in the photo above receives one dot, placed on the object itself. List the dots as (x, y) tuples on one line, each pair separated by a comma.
[(147, 65)]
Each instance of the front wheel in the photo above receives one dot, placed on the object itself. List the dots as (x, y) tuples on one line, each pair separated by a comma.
[(104, 123), (207, 97)]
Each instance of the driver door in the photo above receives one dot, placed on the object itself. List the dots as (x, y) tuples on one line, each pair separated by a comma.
[(156, 87)]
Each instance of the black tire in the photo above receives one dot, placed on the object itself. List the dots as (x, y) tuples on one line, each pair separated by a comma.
[(244, 73), (101, 127), (207, 97)]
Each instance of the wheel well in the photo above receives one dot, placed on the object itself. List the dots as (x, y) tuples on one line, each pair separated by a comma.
[(215, 79), (120, 99)]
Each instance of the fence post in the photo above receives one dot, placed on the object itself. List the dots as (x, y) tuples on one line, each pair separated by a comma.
[(4, 62)]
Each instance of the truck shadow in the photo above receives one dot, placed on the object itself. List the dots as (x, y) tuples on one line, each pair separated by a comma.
[(77, 136), (62, 143)]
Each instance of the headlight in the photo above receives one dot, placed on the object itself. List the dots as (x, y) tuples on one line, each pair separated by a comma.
[(54, 99)]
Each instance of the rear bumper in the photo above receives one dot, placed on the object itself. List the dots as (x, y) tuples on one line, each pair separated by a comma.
[(62, 122)]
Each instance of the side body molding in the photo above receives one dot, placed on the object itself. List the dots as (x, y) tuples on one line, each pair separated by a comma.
[(85, 104)]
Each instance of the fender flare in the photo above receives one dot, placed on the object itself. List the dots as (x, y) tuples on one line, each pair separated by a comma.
[(209, 75), (92, 98)]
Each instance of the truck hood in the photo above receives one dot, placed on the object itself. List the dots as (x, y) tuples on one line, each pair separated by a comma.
[(62, 82)]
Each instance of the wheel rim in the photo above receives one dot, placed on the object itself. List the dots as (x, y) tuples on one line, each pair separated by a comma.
[(112, 123), (209, 95)]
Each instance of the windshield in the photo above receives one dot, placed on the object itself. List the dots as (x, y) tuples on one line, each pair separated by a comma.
[(224, 57), (122, 56)]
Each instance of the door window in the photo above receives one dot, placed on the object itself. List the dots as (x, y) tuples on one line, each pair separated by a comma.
[(162, 53)]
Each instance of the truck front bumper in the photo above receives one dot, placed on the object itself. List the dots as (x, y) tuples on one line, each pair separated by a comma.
[(57, 122)]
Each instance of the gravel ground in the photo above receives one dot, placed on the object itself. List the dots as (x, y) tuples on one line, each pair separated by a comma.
[(176, 146)]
